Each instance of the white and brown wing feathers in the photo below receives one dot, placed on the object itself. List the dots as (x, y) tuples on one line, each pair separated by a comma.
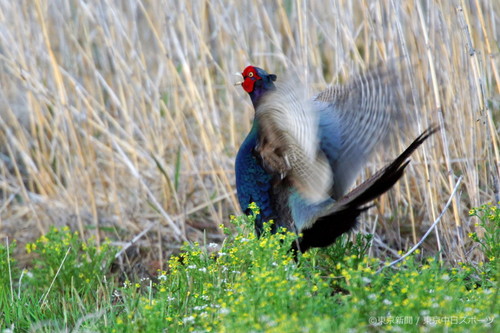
[(288, 142)]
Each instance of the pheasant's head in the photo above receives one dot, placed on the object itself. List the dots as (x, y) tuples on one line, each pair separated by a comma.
[(256, 82)]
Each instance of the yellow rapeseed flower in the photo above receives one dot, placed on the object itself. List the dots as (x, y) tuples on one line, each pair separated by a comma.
[(30, 247)]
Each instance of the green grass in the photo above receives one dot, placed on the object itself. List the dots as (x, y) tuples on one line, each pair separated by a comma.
[(251, 285)]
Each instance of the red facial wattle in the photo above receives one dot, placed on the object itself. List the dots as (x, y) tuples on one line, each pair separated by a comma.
[(250, 76), (248, 84)]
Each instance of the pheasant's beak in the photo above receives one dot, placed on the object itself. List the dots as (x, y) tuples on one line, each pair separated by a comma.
[(239, 83)]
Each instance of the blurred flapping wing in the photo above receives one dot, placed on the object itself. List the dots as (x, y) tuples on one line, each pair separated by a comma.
[(288, 142), (364, 107)]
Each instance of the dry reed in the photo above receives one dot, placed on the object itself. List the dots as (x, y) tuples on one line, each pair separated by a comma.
[(121, 116)]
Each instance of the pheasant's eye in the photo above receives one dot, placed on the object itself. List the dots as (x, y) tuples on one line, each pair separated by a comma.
[(250, 74)]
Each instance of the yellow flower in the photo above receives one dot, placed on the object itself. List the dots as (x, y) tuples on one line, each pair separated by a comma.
[(30, 247)]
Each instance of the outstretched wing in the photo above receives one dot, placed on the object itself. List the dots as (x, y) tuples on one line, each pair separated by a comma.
[(288, 142), (354, 118)]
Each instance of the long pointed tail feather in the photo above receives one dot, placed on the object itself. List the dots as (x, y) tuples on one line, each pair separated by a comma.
[(385, 178), (343, 215)]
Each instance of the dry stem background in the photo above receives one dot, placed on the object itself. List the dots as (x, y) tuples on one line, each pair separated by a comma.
[(121, 116)]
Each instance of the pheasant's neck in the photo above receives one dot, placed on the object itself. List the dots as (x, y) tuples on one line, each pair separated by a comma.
[(258, 92), (248, 145), (252, 135), (256, 95)]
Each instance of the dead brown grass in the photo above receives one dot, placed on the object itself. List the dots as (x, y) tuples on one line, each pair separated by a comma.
[(116, 117)]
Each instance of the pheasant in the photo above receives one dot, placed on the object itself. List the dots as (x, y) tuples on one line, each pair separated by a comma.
[(302, 155)]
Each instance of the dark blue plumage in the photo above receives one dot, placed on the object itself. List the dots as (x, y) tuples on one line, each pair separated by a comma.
[(252, 181), (276, 169)]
